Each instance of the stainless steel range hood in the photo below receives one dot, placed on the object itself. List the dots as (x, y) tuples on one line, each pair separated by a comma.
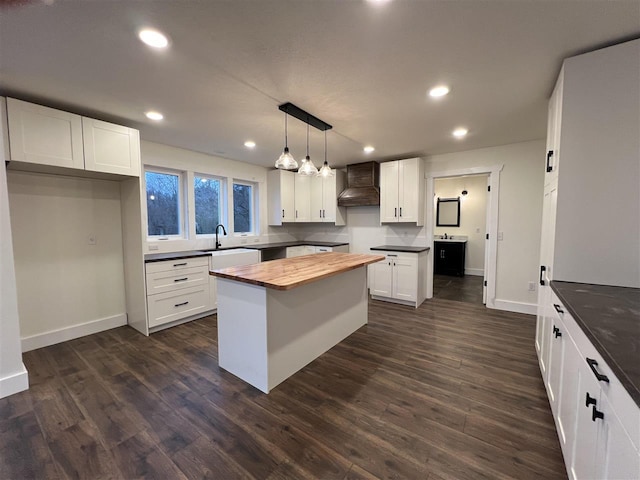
[(363, 185)]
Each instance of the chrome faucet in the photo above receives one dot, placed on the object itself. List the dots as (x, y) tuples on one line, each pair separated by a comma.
[(218, 244)]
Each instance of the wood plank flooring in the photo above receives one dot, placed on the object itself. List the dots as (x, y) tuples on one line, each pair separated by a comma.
[(466, 289), (448, 391)]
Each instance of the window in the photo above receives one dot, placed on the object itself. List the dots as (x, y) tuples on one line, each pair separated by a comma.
[(208, 195), (163, 203), (243, 207)]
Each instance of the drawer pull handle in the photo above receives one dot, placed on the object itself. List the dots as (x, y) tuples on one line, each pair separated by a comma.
[(542, 270), (558, 309), (549, 155), (595, 414), (180, 304), (181, 279), (395, 212), (557, 332), (180, 264), (590, 401), (593, 364), (400, 211)]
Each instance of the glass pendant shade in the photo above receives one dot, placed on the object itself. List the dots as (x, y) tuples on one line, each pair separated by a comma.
[(286, 161), (325, 170), (307, 167)]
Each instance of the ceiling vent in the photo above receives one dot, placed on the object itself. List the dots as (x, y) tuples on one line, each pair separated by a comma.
[(363, 186)]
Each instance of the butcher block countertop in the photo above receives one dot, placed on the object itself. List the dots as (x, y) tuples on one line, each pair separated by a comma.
[(288, 273)]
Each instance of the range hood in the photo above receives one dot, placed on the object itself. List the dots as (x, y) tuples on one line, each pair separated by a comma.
[(363, 186)]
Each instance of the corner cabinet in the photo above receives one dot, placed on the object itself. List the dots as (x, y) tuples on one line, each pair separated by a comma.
[(45, 136), (399, 278), (402, 191), (296, 198)]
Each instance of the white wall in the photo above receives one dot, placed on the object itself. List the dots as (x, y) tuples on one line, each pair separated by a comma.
[(520, 214), (473, 216), (158, 155), (13, 375), (63, 281)]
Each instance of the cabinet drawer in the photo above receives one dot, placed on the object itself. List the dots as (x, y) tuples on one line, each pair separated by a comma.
[(617, 396), (171, 306), (160, 282), (176, 265)]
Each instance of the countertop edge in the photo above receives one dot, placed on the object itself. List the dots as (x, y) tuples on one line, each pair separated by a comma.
[(178, 256), (632, 389), (398, 248)]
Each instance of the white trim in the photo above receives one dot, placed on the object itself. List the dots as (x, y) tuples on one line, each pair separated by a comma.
[(14, 383), (518, 307), (492, 222), (74, 331), (478, 272)]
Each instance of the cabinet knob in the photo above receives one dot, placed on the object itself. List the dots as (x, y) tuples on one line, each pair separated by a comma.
[(596, 414), (590, 400)]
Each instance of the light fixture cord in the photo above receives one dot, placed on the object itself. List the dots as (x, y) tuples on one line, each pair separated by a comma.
[(286, 143), (307, 137), (325, 147)]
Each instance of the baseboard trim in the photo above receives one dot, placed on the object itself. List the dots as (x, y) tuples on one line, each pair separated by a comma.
[(517, 307), (14, 383), (74, 331), (478, 272)]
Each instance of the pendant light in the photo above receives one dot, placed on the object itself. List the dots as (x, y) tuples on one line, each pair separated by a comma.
[(325, 170), (286, 160), (307, 168)]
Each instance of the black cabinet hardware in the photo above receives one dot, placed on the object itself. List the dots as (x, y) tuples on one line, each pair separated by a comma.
[(181, 279), (590, 401), (180, 304), (542, 270), (596, 414), (549, 155), (558, 309), (283, 213), (555, 329), (296, 213), (400, 211), (395, 212), (592, 365), (179, 264), (557, 332)]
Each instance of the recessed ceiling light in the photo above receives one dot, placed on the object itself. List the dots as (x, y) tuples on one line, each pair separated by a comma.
[(250, 144), (157, 116), (460, 132), (368, 149), (153, 38), (439, 91)]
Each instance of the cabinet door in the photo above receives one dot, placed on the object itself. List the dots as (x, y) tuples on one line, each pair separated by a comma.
[(302, 198), (44, 135), (110, 148), (405, 278), (408, 190), (569, 401), (381, 278), (287, 196), (329, 199), (617, 457), (556, 358), (586, 430), (554, 122), (316, 198), (389, 192)]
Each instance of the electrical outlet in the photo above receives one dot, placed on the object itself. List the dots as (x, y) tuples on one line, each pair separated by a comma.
[(500, 236), (532, 286), (92, 239), (153, 247)]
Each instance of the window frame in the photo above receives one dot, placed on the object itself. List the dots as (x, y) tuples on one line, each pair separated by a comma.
[(222, 201), (182, 215), (254, 208)]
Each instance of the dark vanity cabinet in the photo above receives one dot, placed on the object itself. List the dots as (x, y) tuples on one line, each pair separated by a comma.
[(449, 258)]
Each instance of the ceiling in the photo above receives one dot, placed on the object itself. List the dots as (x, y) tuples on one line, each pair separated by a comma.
[(363, 67)]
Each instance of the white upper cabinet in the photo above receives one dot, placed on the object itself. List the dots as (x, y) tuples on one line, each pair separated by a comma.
[(44, 135), (303, 198), (554, 124), (281, 196), (111, 148), (324, 199), (402, 191)]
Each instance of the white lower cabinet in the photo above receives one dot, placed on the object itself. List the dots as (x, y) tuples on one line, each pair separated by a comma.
[(399, 278), (177, 289), (598, 423)]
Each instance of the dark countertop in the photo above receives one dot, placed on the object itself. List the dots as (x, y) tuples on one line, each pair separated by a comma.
[(264, 246), (610, 318), (159, 257), (400, 248)]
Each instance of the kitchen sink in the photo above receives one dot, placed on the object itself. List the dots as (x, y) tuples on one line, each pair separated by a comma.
[(233, 258)]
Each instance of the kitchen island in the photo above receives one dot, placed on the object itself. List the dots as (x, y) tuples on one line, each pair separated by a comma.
[(276, 317)]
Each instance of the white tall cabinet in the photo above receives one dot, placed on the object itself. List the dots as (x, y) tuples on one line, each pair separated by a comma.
[(402, 191), (591, 196)]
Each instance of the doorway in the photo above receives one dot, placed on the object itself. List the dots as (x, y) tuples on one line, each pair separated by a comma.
[(460, 227)]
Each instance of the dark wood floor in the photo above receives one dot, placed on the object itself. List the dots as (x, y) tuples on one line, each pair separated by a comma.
[(448, 391), (466, 289)]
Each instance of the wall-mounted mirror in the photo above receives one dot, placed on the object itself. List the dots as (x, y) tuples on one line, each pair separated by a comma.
[(448, 212)]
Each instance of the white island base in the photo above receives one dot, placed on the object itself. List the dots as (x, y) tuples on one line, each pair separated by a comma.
[(266, 335)]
